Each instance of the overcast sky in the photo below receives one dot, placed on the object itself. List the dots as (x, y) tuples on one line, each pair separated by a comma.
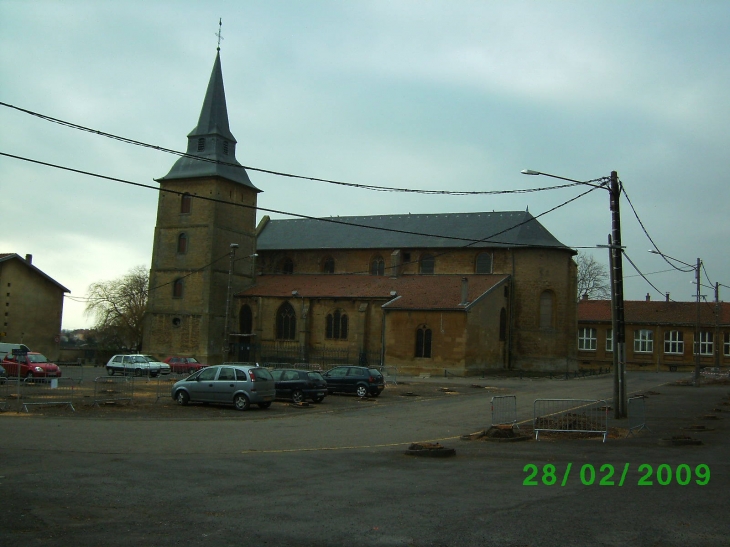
[(417, 94)]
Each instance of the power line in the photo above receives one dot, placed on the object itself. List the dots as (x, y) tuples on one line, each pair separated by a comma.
[(277, 211), (641, 274), (282, 174)]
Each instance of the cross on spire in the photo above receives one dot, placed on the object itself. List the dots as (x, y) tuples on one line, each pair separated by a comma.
[(218, 34)]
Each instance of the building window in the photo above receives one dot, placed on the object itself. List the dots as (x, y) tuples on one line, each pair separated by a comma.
[(727, 344), (177, 288), (182, 244), (423, 342), (484, 263), (427, 263), (186, 201), (287, 266), (587, 339), (328, 265), (337, 325), (225, 147), (502, 325), (546, 310), (643, 341), (286, 322), (609, 340), (705, 344), (245, 320), (201, 144), (377, 266), (674, 342)]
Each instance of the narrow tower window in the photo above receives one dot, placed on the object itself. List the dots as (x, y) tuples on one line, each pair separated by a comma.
[(182, 244), (225, 147), (185, 203), (177, 288), (201, 144)]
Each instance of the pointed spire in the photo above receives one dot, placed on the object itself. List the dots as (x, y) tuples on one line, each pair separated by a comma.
[(211, 139)]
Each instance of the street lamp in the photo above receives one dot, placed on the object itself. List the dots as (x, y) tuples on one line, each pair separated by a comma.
[(696, 345), (617, 284)]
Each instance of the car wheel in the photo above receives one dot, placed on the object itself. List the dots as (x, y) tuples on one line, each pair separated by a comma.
[(265, 405), (138, 372), (297, 396), (110, 371), (361, 391), (318, 399), (241, 402), (182, 398), (29, 374)]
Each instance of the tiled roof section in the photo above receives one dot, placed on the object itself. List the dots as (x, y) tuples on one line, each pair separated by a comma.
[(498, 229), (9, 256), (414, 291), (654, 313)]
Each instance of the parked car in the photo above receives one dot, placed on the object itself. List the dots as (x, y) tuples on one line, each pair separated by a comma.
[(181, 365), (230, 383), (299, 385), (362, 381), (31, 365), (139, 365), (3, 376), (6, 348)]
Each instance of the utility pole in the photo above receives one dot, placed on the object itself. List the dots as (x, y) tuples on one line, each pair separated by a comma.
[(718, 340), (617, 299), (697, 326)]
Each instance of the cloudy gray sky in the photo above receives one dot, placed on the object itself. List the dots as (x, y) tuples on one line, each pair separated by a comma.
[(448, 94)]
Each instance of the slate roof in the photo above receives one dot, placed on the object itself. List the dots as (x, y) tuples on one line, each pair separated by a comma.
[(213, 122), (499, 229), (415, 292), (4, 257), (654, 313)]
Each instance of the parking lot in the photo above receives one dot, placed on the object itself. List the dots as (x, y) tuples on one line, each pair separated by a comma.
[(153, 473)]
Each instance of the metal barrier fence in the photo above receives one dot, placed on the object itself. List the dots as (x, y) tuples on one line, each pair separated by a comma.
[(390, 374), (570, 416), (113, 389), (504, 410), (37, 391), (637, 414)]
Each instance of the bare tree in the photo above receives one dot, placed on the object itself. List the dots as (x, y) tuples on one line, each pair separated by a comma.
[(593, 278), (119, 306)]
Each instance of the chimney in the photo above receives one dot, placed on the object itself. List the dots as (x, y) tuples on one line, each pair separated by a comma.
[(585, 296), (667, 297), (648, 297), (464, 291), (29, 259)]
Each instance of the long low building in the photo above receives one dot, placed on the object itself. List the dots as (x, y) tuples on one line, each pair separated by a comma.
[(658, 333)]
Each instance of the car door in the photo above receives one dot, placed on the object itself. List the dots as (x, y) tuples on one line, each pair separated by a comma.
[(354, 376), (336, 379), (201, 388), (224, 386)]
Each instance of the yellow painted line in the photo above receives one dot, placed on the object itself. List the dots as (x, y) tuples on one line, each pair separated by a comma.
[(333, 448)]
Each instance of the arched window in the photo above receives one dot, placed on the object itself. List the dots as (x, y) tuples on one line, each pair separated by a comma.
[(502, 325), (336, 325), (423, 342), (286, 322), (177, 288), (245, 320), (377, 266), (182, 244), (186, 201), (427, 264), (328, 265), (287, 266), (546, 309), (484, 263)]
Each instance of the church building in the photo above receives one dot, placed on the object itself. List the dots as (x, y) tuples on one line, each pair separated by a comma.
[(458, 293)]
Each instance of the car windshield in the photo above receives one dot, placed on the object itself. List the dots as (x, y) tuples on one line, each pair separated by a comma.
[(37, 358), (315, 376), (191, 360), (375, 372), (150, 358)]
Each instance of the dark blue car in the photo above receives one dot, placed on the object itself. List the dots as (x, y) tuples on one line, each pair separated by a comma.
[(299, 385)]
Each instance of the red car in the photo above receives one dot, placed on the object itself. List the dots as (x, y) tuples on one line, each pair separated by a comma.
[(32, 365), (181, 365)]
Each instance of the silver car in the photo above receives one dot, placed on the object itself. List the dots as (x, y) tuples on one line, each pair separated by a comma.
[(230, 383)]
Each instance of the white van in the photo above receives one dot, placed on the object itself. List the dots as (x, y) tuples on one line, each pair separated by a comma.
[(7, 347)]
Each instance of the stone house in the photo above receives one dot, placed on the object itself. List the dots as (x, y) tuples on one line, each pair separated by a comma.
[(659, 334), (32, 305)]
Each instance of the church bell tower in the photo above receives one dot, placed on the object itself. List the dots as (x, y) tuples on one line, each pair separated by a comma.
[(206, 207)]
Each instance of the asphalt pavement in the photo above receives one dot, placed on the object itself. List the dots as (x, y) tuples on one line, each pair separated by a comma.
[(338, 475)]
